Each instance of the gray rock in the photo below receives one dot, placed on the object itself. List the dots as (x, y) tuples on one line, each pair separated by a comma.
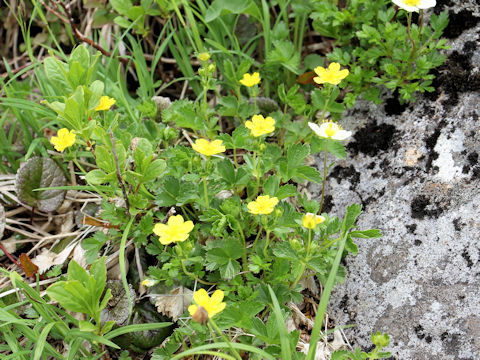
[(417, 175)]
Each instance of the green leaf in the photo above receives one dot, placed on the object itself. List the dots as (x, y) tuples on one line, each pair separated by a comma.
[(366, 234), (56, 72), (134, 328), (107, 327), (182, 113), (86, 326), (236, 7), (121, 6), (96, 177), (42, 340), (285, 250), (350, 246), (154, 170), (296, 155), (309, 173), (353, 211), (282, 329), (284, 53), (335, 148), (99, 272), (40, 173), (227, 172), (67, 299)]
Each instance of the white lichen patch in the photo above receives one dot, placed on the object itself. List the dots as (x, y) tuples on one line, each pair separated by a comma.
[(446, 147)]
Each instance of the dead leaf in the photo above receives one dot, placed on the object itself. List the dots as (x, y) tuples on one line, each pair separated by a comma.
[(48, 258), (174, 304), (30, 268)]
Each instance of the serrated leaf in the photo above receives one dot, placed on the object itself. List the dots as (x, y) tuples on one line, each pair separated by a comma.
[(284, 250), (40, 173), (309, 173), (350, 246), (366, 234), (353, 211)]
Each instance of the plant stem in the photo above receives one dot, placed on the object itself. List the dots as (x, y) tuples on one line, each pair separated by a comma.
[(121, 261), (119, 175), (421, 26), (322, 307), (409, 26), (267, 241), (324, 180), (235, 156), (234, 352), (324, 110), (307, 259), (244, 252), (258, 235), (206, 192)]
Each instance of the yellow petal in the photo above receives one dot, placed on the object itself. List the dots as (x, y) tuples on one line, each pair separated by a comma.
[(175, 220), (160, 229), (334, 67), (320, 71), (192, 309), (201, 297), (217, 296)]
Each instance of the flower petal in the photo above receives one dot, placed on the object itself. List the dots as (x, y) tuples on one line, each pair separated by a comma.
[(334, 67), (341, 135), (320, 71), (192, 309), (425, 4), (316, 129), (217, 296), (201, 298), (160, 229)]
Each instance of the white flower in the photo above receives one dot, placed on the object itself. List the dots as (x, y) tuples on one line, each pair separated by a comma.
[(330, 130), (414, 5)]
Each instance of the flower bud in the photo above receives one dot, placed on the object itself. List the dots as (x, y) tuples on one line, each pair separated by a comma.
[(200, 316)]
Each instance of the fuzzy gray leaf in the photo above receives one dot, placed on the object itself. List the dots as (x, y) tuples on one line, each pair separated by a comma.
[(40, 173)]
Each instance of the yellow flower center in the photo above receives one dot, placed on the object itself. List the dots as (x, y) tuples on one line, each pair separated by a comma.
[(411, 2), (332, 129)]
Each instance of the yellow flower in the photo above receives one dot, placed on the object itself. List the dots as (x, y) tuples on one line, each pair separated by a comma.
[(105, 103), (204, 56), (310, 221), (263, 205), (330, 130), (250, 80), (208, 148), (260, 126), (176, 230), (414, 5), (212, 305), (148, 282), (333, 75), (63, 139)]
